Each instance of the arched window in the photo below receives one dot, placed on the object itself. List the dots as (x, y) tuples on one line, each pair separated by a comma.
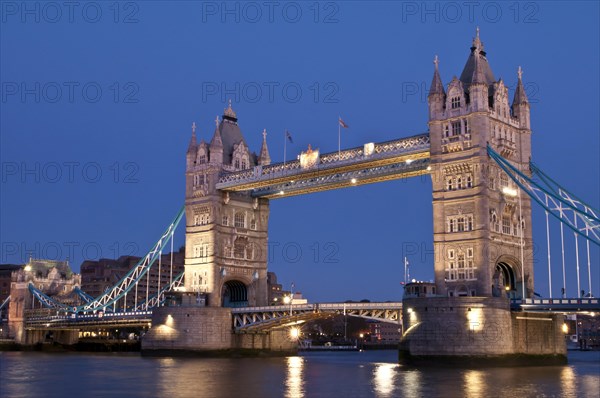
[(469, 181), (244, 165), (240, 220), (470, 223), (459, 183), (236, 163), (449, 184)]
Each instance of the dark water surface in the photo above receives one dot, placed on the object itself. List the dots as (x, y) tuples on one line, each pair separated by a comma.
[(317, 374)]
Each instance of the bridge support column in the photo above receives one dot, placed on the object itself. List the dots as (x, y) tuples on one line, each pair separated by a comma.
[(478, 330)]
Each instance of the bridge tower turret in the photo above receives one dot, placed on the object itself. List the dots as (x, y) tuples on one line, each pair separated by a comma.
[(226, 233), (481, 220)]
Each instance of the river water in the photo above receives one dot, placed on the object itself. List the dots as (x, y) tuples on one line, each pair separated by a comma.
[(315, 374)]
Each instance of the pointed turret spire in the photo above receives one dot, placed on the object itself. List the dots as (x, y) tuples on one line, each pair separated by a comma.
[(520, 95), (216, 139), (192, 146), (264, 158), (437, 87), (477, 44), (478, 72)]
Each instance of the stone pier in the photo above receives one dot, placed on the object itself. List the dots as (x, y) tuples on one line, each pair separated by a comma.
[(208, 331), (478, 331)]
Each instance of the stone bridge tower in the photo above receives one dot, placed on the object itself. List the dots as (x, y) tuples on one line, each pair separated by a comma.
[(226, 233), (480, 217)]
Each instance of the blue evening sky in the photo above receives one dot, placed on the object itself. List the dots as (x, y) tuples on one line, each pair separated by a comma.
[(97, 100)]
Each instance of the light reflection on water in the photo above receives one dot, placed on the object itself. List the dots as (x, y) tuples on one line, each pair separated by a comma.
[(474, 383), (294, 382), (343, 374), (384, 379)]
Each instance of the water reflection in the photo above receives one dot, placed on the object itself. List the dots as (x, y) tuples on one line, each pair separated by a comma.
[(384, 379), (412, 386), (294, 383), (474, 383)]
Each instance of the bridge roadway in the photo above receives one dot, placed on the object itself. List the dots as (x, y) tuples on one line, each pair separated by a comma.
[(248, 319), (313, 172)]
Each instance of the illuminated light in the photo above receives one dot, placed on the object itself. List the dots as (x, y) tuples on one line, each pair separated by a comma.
[(287, 299), (47, 325), (362, 335), (565, 328), (409, 310), (28, 268), (428, 168), (475, 318), (408, 161), (294, 333), (353, 181), (169, 322), (507, 288), (281, 192), (369, 148), (292, 181), (509, 191)]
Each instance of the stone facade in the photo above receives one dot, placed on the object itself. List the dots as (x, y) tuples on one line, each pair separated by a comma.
[(226, 233), (480, 217), (55, 279)]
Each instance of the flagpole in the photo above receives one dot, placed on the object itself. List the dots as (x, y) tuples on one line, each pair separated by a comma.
[(339, 137), (284, 145)]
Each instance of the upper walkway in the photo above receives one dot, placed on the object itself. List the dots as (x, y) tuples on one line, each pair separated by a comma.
[(313, 172)]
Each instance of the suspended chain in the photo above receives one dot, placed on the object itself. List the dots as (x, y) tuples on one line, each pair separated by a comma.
[(579, 217), (83, 295), (124, 285), (4, 303), (158, 299)]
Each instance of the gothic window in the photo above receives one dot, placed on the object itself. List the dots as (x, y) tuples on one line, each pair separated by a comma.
[(196, 220), (469, 181), (461, 224), (240, 220), (450, 253), (461, 261), (455, 102), (253, 224), (467, 127), (459, 183), (225, 220), (237, 164), (470, 252), (456, 128), (202, 159), (196, 251), (469, 223), (506, 225), (239, 248), (446, 131), (451, 226), (243, 164), (503, 180), (449, 184)]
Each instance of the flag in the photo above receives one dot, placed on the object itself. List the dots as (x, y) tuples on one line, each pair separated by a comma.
[(288, 136), (344, 125)]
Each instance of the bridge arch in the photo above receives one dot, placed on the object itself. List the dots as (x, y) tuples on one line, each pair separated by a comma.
[(234, 294), (504, 280)]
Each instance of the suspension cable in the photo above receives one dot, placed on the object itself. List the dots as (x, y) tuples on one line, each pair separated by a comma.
[(548, 243)]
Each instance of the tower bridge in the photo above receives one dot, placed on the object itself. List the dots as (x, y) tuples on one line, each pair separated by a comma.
[(478, 152)]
